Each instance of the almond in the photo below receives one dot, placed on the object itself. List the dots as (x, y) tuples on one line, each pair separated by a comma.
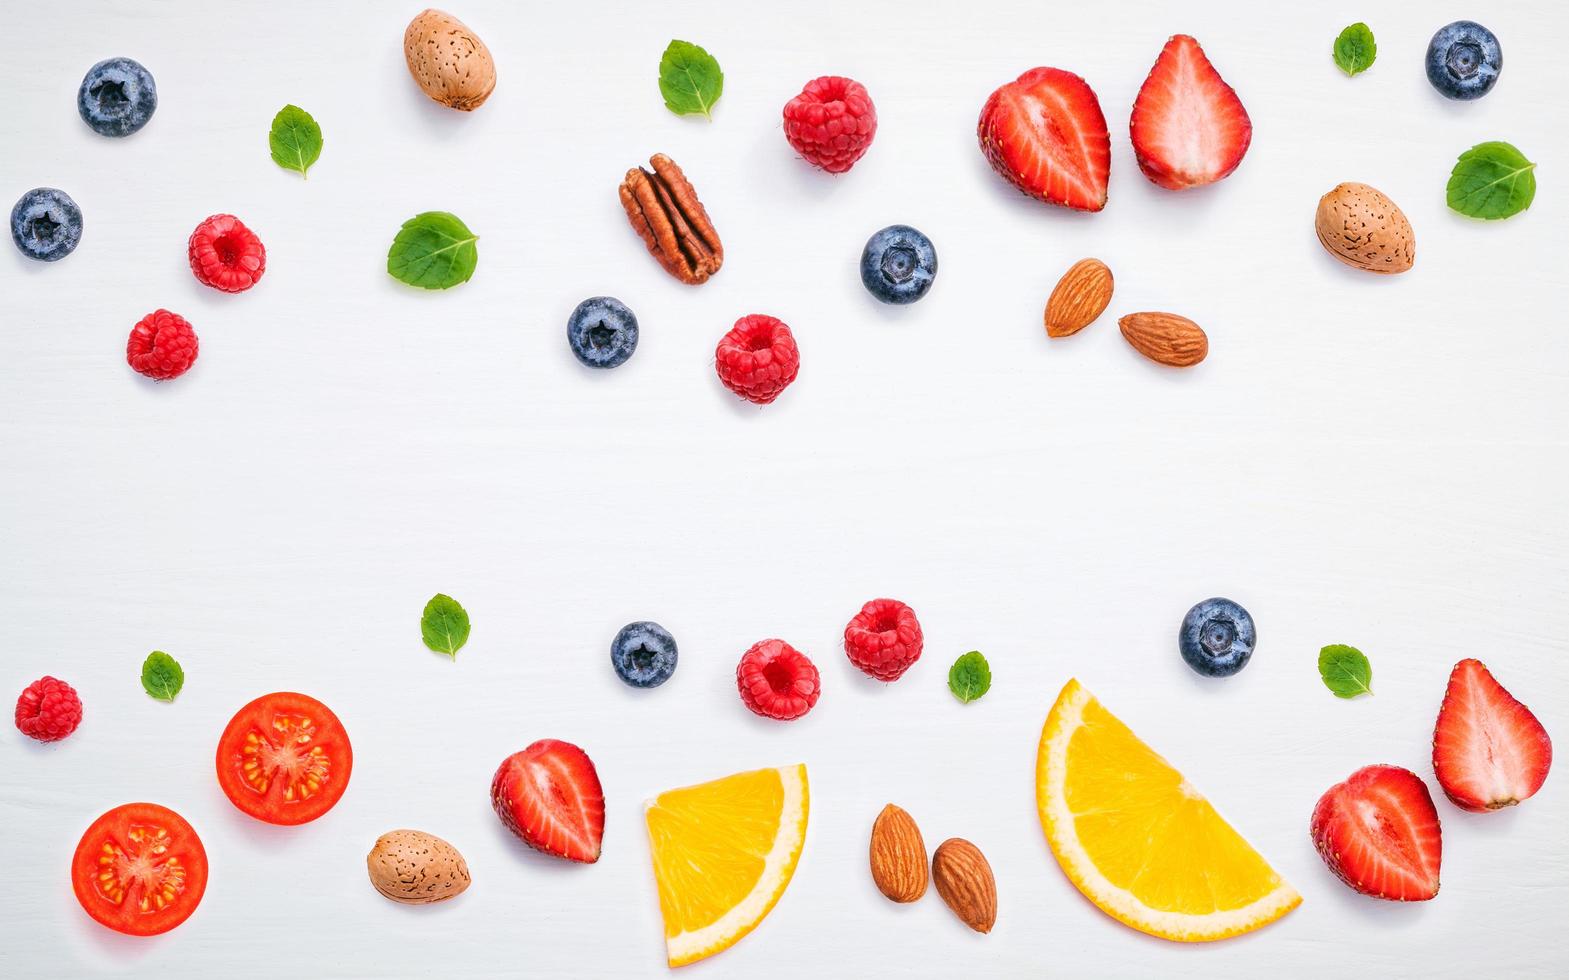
[(1362, 227), (1082, 294), (412, 867), (449, 61), (898, 855), (965, 882), (1165, 338)]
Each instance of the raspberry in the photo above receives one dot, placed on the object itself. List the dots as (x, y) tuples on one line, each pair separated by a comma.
[(162, 346), (757, 359), (777, 681), (831, 123), (883, 639), (227, 255), (48, 710)]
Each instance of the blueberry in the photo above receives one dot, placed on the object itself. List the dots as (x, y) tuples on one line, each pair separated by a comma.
[(46, 224), (117, 97), (898, 264), (1217, 637), (643, 654), (1463, 60), (602, 332)]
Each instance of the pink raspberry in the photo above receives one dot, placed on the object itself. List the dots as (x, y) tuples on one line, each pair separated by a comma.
[(777, 681), (162, 346), (226, 255), (884, 639), (758, 358), (831, 123), (48, 710)]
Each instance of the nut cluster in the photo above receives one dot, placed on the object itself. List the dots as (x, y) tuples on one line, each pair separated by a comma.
[(665, 212), (958, 868), (1084, 292)]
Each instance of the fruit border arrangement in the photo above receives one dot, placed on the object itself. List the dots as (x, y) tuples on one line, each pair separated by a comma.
[(1127, 829)]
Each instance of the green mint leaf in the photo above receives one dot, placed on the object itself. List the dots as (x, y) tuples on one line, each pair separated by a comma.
[(433, 250), (161, 676), (444, 625), (690, 79), (1345, 670), (1490, 181), (970, 677), (295, 139), (1355, 50)]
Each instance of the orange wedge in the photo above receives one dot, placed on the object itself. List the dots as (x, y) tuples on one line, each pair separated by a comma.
[(723, 854), (1138, 840)]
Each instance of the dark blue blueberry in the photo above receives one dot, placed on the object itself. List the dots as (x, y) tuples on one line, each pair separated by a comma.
[(643, 654), (602, 332), (117, 97), (898, 264), (46, 224), (1217, 637), (1463, 60)]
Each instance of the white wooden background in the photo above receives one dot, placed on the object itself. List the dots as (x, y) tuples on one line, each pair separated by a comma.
[(1367, 461)]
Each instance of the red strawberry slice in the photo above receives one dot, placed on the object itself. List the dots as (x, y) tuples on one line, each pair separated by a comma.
[(1378, 832), (1189, 127), (549, 795), (1489, 751), (1046, 135)]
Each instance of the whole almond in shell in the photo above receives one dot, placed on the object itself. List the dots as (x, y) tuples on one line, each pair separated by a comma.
[(449, 61), (412, 867), (1165, 338), (1363, 228), (965, 882), (898, 855), (1082, 294)]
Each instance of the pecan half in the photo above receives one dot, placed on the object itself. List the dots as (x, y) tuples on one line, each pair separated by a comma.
[(665, 212)]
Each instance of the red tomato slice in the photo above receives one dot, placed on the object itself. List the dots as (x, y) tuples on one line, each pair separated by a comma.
[(285, 759), (140, 869)]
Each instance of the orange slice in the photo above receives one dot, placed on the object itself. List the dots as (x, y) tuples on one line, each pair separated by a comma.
[(723, 854), (1138, 840)]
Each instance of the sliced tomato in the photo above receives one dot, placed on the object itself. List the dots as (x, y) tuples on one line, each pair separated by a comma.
[(285, 759), (140, 869)]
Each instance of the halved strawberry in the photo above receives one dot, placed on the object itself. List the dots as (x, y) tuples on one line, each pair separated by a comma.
[(1046, 134), (1378, 832), (1489, 751), (549, 795), (1189, 127)]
